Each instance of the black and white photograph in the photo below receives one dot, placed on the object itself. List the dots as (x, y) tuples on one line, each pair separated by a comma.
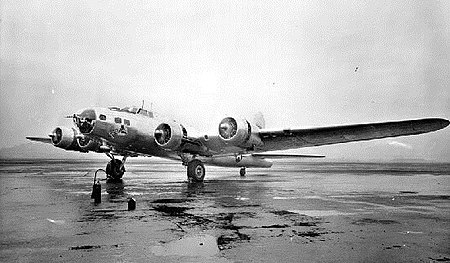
[(224, 131)]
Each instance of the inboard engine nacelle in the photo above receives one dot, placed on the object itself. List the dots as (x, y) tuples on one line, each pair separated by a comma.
[(239, 132), (87, 144), (170, 135)]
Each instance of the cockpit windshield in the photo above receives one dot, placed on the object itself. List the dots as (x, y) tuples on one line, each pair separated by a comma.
[(133, 110)]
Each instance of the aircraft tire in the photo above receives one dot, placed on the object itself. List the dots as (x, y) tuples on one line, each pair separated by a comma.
[(196, 171), (242, 171), (115, 169)]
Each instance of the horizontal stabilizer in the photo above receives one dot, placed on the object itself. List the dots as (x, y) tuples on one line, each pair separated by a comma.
[(285, 156), (40, 139)]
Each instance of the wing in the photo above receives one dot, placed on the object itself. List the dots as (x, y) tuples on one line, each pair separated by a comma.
[(298, 138), (40, 139), (285, 156)]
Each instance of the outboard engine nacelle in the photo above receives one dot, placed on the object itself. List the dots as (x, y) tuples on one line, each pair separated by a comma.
[(65, 138), (170, 135), (239, 132)]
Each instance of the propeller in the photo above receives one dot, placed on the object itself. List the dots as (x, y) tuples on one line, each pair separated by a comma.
[(83, 140), (163, 134), (227, 128), (56, 135)]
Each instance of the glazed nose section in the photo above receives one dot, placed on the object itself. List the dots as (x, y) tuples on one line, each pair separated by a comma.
[(85, 121)]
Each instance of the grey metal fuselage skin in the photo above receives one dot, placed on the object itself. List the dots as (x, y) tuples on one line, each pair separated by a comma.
[(137, 132), (134, 134)]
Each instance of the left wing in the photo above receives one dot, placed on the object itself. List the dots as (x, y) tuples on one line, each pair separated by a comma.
[(40, 139), (298, 138)]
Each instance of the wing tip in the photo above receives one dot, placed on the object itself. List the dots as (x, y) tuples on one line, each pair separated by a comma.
[(440, 123), (39, 139)]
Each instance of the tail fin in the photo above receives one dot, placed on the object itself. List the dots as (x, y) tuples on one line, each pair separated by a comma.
[(259, 121)]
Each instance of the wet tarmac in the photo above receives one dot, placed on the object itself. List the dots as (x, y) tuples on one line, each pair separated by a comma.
[(293, 212)]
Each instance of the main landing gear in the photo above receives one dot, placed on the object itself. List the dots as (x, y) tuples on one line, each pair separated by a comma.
[(115, 168), (196, 171)]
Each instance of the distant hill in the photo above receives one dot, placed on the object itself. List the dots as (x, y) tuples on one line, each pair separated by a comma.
[(36, 150)]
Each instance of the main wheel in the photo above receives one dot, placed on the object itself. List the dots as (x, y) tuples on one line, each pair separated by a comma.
[(242, 171), (196, 171), (115, 169)]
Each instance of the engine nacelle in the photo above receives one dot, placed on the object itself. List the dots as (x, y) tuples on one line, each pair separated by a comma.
[(169, 135), (239, 132), (65, 138), (87, 144)]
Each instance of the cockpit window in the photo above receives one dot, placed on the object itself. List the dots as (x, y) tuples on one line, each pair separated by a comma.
[(114, 108), (133, 110), (145, 113), (102, 117), (117, 120)]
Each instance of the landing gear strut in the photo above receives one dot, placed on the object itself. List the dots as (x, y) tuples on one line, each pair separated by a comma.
[(115, 168), (196, 171)]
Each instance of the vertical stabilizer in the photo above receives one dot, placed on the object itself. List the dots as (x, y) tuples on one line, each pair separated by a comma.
[(259, 121)]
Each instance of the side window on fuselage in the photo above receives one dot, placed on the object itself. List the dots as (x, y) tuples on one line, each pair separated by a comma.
[(117, 120), (102, 117), (126, 122)]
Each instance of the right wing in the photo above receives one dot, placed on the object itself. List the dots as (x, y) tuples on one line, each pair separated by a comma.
[(298, 138), (286, 155)]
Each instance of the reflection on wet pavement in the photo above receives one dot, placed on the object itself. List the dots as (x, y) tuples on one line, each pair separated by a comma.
[(197, 245), (290, 213)]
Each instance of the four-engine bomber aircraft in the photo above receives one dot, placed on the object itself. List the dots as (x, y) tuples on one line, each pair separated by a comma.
[(132, 131)]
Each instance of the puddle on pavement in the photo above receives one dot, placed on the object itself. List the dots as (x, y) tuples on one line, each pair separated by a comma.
[(285, 197), (319, 213), (366, 221), (197, 245)]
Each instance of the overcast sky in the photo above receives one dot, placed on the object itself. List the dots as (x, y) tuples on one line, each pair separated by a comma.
[(198, 61)]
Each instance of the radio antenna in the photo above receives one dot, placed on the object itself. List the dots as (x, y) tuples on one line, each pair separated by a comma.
[(142, 104)]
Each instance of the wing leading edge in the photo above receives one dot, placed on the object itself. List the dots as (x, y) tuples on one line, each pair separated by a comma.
[(285, 156), (40, 139), (298, 138)]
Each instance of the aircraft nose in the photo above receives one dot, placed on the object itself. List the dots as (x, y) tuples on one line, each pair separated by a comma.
[(88, 114), (85, 120)]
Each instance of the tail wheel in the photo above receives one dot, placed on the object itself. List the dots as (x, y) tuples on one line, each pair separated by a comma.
[(196, 171), (115, 169)]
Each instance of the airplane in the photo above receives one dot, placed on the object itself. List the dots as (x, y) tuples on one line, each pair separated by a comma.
[(133, 131)]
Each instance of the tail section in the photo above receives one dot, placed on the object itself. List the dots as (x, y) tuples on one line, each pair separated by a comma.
[(259, 121)]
